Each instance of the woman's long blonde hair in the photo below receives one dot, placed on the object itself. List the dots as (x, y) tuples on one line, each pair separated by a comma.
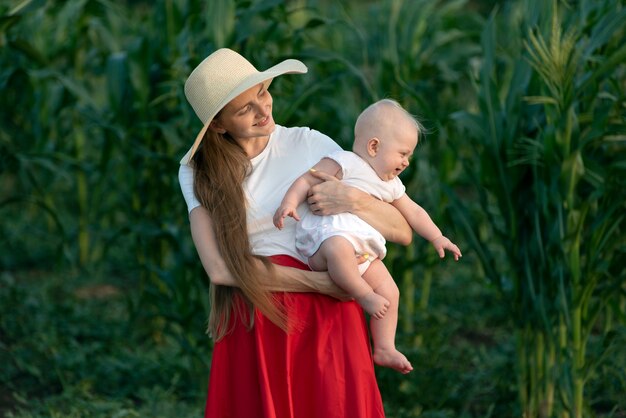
[(221, 166)]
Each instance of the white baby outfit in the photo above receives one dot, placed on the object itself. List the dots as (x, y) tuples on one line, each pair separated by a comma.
[(312, 230)]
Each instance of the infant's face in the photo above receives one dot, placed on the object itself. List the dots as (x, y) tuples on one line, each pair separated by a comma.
[(394, 153)]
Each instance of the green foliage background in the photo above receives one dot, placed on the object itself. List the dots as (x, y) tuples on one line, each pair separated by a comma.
[(103, 302)]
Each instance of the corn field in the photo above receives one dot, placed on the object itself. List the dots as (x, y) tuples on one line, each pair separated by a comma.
[(103, 301)]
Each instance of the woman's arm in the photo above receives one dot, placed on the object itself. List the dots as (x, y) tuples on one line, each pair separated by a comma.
[(331, 197), (289, 279), (286, 279), (203, 235)]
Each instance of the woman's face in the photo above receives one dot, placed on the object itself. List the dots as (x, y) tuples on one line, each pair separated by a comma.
[(247, 116)]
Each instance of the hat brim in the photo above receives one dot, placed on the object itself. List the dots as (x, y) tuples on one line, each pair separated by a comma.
[(290, 66)]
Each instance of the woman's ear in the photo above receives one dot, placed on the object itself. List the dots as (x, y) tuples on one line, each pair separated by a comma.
[(215, 126), (372, 146)]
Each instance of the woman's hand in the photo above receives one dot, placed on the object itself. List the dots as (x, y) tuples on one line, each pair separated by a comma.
[(331, 196), (290, 279)]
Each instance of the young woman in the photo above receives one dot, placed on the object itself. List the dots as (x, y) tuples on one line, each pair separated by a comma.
[(299, 354)]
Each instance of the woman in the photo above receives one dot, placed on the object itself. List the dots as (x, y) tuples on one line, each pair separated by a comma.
[(300, 354)]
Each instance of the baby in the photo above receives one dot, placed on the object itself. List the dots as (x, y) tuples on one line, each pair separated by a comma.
[(385, 136)]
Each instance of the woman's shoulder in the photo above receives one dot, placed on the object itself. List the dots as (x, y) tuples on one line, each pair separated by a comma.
[(297, 132), (305, 136)]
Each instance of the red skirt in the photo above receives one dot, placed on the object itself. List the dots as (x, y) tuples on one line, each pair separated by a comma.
[(322, 370)]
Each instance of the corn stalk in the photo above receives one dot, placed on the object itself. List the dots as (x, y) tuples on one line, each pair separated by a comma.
[(550, 181)]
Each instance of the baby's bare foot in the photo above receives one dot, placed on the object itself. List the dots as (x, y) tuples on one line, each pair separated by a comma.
[(392, 358), (374, 304)]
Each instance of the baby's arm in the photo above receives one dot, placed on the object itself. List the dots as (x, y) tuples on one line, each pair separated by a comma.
[(297, 193), (421, 223)]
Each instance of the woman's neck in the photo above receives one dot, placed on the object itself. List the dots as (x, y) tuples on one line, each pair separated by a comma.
[(253, 146)]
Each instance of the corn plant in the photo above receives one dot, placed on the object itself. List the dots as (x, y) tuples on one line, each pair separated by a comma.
[(548, 136), (90, 125)]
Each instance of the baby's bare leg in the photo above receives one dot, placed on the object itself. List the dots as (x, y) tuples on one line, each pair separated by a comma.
[(384, 330), (336, 254)]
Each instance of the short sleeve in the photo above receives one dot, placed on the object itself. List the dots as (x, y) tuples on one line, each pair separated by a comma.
[(345, 159), (185, 179), (398, 189)]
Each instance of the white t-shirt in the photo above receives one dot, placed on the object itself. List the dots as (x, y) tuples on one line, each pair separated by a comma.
[(358, 173), (289, 153)]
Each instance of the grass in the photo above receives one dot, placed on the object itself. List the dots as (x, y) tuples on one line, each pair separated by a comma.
[(460, 352), (75, 343), (73, 346)]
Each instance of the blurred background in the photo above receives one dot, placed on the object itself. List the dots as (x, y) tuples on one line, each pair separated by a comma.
[(103, 302)]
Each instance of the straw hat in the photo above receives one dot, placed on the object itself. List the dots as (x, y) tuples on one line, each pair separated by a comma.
[(220, 78)]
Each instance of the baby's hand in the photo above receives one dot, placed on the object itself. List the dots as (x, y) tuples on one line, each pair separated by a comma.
[(442, 243), (282, 212)]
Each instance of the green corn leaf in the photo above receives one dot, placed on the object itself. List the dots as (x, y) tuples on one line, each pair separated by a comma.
[(221, 20), (605, 29), (534, 100), (117, 81), (572, 170)]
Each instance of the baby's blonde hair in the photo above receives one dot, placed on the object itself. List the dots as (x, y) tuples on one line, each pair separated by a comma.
[(378, 118)]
